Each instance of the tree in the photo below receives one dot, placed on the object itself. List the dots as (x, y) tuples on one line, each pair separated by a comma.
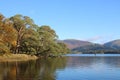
[(19, 34), (7, 34), (30, 41), (46, 37), (21, 23), (48, 42)]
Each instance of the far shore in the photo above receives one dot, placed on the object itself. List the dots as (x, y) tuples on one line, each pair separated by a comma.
[(17, 57)]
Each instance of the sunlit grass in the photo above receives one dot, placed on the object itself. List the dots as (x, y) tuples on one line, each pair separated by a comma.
[(16, 57)]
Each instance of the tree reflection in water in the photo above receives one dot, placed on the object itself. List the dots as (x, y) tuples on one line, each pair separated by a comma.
[(42, 69)]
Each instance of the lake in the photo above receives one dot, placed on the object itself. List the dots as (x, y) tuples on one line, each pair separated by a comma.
[(68, 67)]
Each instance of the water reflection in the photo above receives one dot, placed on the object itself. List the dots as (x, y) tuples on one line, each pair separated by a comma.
[(83, 62), (90, 68), (65, 68), (43, 69)]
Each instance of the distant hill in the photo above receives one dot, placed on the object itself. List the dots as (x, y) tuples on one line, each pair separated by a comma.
[(72, 43), (88, 47), (113, 44), (95, 48)]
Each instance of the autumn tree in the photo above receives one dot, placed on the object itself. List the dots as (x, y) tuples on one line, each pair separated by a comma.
[(7, 34)]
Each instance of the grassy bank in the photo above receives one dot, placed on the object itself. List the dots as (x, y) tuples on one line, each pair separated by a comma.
[(16, 57)]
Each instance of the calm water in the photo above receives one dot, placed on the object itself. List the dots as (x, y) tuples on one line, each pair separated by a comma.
[(70, 67)]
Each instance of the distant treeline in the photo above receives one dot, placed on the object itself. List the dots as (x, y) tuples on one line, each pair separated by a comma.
[(96, 48), (101, 52), (19, 34)]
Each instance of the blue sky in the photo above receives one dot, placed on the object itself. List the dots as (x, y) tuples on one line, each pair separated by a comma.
[(91, 20)]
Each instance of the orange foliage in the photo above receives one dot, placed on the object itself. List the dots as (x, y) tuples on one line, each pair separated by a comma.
[(7, 33)]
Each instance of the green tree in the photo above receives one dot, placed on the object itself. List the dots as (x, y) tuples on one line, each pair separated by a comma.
[(21, 23), (48, 42), (30, 41), (47, 36)]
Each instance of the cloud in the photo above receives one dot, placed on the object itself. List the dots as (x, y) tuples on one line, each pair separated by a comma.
[(94, 39), (102, 39)]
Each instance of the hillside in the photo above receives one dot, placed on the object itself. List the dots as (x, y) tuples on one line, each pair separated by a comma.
[(88, 47), (113, 44), (72, 43), (95, 48)]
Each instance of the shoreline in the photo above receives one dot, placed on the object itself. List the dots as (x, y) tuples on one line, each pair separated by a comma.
[(16, 57)]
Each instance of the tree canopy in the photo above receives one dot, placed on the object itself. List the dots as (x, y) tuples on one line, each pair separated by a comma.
[(19, 34)]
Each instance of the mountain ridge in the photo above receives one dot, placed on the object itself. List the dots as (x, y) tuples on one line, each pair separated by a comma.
[(74, 43), (86, 46)]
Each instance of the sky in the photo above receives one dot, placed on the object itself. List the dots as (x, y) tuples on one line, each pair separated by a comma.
[(96, 21)]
